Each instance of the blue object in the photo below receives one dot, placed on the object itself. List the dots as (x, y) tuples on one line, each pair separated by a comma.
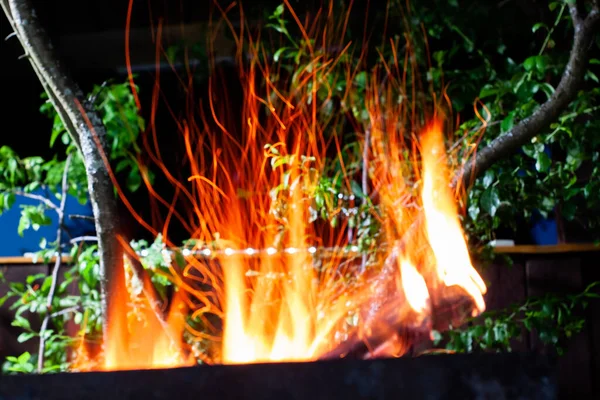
[(11, 244), (544, 231)]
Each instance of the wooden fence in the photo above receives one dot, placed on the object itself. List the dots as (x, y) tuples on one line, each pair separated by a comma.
[(536, 270)]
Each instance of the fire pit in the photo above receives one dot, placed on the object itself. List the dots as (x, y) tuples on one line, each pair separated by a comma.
[(485, 376), (261, 201)]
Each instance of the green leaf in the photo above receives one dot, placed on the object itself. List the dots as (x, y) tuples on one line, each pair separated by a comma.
[(590, 75), (279, 28), (543, 162), (357, 190), (134, 180), (540, 63), (547, 88), (490, 201), (25, 336), (473, 211), (180, 259), (21, 322), (23, 358), (508, 122), (488, 178), (278, 53), (278, 11), (529, 63), (487, 91), (538, 26), (360, 80)]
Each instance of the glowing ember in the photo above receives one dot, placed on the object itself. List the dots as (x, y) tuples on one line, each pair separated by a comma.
[(251, 209)]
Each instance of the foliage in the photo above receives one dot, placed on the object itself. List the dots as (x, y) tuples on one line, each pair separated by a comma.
[(556, 174), (77, 300), (116, 106), (157, 262), (29, 176), (554, 319), (75, 312)]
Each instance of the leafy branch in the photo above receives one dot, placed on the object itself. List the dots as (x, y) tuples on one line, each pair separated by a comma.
[(585, 29), (554, 319), (57, 264)]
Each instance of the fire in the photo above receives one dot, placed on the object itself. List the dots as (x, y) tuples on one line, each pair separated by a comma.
[(280, 279), (444, 233), (138, 339)]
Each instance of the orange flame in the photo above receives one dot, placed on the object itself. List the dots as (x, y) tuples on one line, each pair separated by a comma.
[(279, 279), (444, 232)]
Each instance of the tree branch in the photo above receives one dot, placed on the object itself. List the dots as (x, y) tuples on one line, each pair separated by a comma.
[(84, 239), (57, 263), (524, 131), (78, 216), (365, 184), (39, 198), (90, 134)]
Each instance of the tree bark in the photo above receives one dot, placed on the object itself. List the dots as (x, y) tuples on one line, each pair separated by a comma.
[(508, 143), (85, 127)]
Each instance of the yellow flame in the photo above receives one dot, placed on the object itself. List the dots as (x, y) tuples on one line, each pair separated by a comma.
[(414, 286), (444, 232)]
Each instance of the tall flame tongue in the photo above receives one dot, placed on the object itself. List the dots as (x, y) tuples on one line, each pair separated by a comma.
[(445, 236)]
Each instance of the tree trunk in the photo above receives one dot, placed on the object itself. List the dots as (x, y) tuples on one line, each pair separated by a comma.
[(85, 127)]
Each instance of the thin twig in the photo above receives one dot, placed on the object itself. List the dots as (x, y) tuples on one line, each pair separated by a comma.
[(365, 184), (92, 99), (84, 239), (39, 198), (64, 311), (78, 216), (57, 264)]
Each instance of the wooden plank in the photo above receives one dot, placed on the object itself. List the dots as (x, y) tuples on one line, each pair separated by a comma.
[(591, 273), (29, 260), (562, 275), (506, 287), (548, 249)]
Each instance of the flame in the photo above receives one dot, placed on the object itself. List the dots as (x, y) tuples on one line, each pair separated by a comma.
[(278, 278), (444, 232), (138, 339), (414, 286)]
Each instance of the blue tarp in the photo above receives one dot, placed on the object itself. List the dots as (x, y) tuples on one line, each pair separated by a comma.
[(11, 244)]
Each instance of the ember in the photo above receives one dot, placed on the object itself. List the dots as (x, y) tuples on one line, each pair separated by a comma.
[(251, 213)]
